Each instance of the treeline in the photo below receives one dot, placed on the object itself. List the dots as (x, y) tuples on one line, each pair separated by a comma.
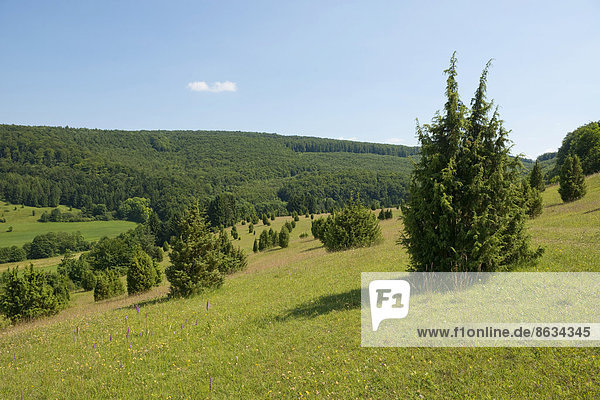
[(305, 144), (45, 245), (272, 238), (316, 193), (96, 213)]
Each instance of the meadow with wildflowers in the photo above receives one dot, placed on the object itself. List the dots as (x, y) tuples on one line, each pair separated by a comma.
[(289, 327)]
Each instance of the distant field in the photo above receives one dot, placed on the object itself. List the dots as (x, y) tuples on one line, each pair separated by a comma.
[(289, 327), (25, 226)]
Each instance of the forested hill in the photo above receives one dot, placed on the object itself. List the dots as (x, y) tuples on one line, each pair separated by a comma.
[(46, 166)]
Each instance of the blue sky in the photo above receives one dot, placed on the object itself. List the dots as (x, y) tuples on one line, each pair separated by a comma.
[(361, 70)]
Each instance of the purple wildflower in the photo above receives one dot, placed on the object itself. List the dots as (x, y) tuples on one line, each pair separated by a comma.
[(210, 384), (127, 334), (207, 305), (93, 345), (110, 337), (77, 329), (137, 308), (181, 326), (121, 363)]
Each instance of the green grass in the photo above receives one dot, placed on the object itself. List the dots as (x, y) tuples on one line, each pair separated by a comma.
[(25, 225), (569, 233), (289, 327)]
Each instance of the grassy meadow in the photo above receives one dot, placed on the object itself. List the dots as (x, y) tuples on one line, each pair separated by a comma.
[(25, 225), (289, 327)]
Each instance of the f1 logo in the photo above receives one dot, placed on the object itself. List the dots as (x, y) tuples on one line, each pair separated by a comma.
[(388, 299)]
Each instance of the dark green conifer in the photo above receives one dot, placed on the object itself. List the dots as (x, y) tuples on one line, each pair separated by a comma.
[(464, 211), (536, 179), (572, 182)]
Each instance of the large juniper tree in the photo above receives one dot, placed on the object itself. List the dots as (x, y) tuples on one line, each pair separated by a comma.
[(464, 211)]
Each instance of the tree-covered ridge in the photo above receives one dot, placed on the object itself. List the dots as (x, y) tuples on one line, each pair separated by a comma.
[(306, 144), (46, 166)]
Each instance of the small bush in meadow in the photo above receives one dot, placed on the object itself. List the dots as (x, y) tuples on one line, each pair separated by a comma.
[(352, 226), (141, 275), (318, 228), (30, 295), (108, 284), (284, 237), (88, 280), (73, 268), (263, 241)]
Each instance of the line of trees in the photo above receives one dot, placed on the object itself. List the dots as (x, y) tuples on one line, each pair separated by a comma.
[(45, 245), (272, 238), (305, 144)]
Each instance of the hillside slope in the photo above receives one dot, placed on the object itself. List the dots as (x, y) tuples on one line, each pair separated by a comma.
[(289, 327), (46, 166)]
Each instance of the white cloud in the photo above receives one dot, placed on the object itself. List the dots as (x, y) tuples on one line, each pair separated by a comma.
[(216, 87), (354, 139)]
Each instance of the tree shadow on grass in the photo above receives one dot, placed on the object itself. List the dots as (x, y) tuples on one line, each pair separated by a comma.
[(553, 205), (324, 305), (591, 211), (313, 248), (145, 303)]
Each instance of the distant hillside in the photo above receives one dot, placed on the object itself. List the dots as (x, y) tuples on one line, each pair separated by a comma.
[(46, 166)]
